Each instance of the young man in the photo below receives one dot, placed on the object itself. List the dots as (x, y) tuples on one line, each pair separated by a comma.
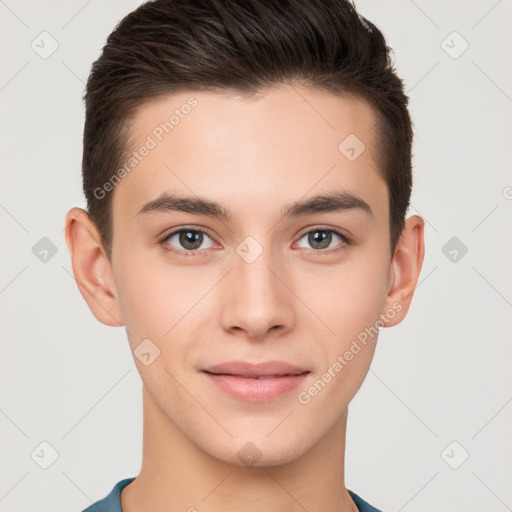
[(247, 169)]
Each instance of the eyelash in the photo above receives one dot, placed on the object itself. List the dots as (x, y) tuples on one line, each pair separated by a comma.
[(170, 249)]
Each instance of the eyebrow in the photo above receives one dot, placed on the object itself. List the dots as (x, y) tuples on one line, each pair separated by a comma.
[(324, 203)]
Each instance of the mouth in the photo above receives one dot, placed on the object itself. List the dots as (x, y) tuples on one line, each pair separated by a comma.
[(267, 369), (259, 377), (256, 382)]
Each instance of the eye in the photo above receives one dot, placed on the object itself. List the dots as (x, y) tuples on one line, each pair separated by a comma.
[(321, 238), (188, 241)]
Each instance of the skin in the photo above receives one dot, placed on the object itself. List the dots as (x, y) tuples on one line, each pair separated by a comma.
[(292, 303)]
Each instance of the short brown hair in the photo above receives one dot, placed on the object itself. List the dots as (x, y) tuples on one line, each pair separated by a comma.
[(243, 47)]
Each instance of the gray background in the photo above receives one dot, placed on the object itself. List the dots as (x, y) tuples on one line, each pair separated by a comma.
[(440, 384)]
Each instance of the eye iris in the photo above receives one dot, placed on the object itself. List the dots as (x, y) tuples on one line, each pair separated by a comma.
[(324, 239), (191, 237)]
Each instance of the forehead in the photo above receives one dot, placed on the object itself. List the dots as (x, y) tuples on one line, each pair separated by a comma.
[(259, 151)]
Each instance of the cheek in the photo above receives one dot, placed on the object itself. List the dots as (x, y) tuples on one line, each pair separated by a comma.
[(159, 301), (350, 305), (346, 299), (145, 297)]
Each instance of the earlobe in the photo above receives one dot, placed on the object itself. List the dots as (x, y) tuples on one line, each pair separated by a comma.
[(91, 268), (406, 267)]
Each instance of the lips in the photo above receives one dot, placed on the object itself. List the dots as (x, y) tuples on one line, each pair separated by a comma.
[(255, 383), (265, 370)]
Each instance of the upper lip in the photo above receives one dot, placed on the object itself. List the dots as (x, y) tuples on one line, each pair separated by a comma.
[(256, 370)]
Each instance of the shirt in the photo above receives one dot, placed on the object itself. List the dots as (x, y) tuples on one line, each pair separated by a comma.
[(112, 502)]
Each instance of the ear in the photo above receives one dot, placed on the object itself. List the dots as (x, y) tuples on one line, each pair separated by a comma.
[(91, 268), (405, 270)]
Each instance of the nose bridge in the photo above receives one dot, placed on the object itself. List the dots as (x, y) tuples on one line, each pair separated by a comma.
[(257, 299)]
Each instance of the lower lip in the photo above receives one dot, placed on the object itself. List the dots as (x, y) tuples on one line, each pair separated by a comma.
[(256, 390)]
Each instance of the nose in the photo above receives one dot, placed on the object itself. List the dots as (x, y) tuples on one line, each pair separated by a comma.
[(256, 299)]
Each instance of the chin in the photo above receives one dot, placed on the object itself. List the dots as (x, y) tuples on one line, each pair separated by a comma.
[(256, 453)]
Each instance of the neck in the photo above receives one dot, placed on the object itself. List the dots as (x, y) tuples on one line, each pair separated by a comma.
[(176, 475)]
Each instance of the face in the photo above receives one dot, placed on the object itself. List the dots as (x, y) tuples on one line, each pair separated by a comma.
[(270, 280)]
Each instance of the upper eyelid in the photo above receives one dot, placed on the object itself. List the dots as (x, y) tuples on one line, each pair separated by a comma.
[(162, 241), (307, 230), (338, 231), (186, 228)]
